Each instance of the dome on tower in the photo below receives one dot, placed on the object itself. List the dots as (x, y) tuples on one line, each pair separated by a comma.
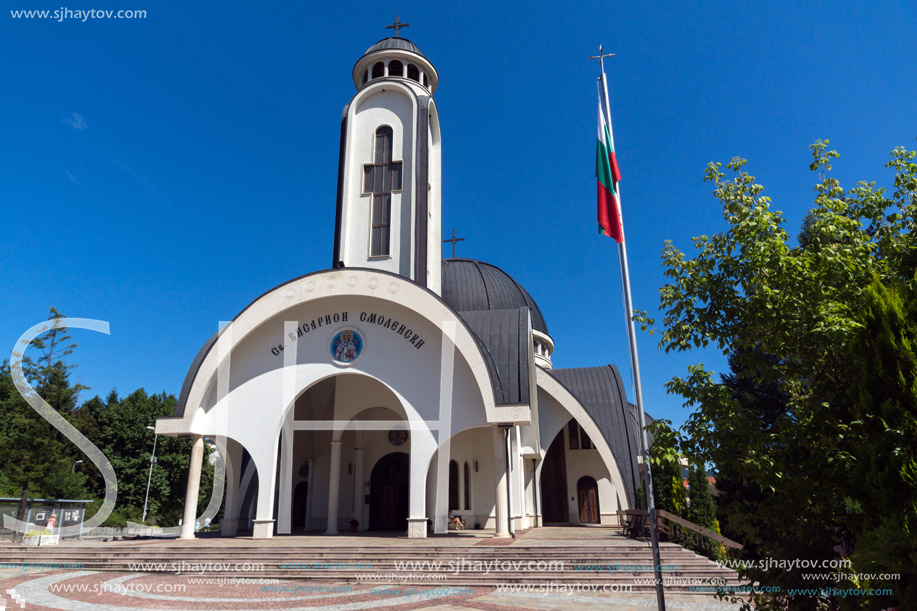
[(474, 286), (394, 42)]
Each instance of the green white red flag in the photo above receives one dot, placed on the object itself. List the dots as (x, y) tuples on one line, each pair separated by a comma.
[(608, 175)]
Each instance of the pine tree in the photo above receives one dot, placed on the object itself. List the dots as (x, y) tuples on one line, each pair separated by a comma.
[(700, 509), (48, 372), (35, 457), (883, 391)]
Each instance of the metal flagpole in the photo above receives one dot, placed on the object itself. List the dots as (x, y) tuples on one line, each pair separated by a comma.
[(635, 363)]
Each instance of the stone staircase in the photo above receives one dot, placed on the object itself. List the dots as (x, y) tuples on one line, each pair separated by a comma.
[(535, 562)]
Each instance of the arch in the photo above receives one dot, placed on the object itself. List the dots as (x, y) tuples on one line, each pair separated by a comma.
[(197, 401), (557, 391), (382, 149), (587, 499), (253, 406), (395, 68), (378, 70), (337, 419), (363, 391), (471, 446), (413, 73)]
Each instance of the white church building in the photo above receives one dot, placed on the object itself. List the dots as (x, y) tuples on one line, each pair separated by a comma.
[(398, 389)]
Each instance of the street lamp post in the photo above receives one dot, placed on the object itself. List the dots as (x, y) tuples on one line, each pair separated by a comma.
[(150, 475), (73, 468)]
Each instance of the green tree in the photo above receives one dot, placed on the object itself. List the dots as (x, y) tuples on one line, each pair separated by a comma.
[(883, 391), (665, 463), (700, 509), (29, 449), (782, 430), (36, 459), (121, 433), (47, 370)]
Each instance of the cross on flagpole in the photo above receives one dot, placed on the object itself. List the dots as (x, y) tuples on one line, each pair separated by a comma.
[(453, 240), (635, 361), (397, 25)]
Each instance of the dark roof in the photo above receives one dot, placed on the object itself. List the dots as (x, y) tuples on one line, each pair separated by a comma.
[(601, 392), (394, 42), (475, 286), (503, 336), (192, 372)]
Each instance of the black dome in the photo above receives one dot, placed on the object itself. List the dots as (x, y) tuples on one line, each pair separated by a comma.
[(394, 42), (474, 286)]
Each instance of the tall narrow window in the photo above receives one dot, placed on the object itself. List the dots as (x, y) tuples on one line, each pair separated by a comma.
[(453, 485), (380, 179), (574, 436), (585, 442), (413, 73), (378, 70), (467, 487), (395, 68)]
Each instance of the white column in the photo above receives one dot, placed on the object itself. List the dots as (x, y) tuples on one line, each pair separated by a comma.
[(520, 476), (357, 513), (284, 511), (537, 487), (385, 73), (423, 446), (266, 463), (194, 486), (334, 488), (501, 510), (229, 525)]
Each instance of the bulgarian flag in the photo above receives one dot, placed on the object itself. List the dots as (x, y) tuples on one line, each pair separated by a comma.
[(608, 175)]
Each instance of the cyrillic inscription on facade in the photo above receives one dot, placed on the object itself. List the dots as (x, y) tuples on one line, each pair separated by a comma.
[(305, 328)]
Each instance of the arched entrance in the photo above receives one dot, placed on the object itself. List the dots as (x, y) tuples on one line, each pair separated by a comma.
[(389, 492), (554, 482), (587, 492)]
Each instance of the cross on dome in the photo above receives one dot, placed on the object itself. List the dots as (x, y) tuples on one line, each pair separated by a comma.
[(397, 25), (453, 241)]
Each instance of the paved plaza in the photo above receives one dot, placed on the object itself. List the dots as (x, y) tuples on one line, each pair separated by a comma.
[(83, 590)]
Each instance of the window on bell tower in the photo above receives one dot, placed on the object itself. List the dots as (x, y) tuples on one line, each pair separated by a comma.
[(381, 178)]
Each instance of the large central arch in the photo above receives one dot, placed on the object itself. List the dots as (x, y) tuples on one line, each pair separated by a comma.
[(245, 380)]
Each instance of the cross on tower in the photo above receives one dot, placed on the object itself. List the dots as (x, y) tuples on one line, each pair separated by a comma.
[(453, 240), (397, 25)]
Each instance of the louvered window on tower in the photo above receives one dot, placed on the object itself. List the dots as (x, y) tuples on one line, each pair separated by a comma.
[(380, 179)]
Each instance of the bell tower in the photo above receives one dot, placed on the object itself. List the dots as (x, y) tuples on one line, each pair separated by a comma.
[(389, 169)]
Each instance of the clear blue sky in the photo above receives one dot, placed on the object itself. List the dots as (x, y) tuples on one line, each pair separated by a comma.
[(161, 173)]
